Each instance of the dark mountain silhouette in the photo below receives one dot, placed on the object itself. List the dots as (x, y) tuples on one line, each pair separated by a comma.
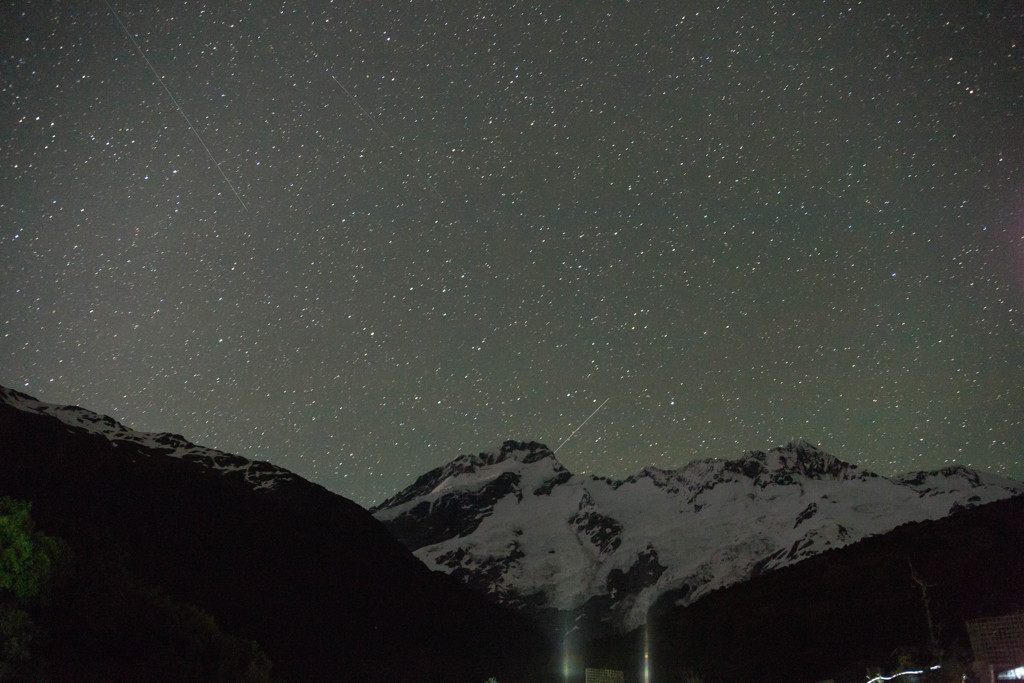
[(310, 576)]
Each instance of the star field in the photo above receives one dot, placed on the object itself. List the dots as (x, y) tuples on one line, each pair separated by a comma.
[(387, 234)]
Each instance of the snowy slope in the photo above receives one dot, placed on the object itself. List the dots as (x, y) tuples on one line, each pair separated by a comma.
[(517, 525), (261, 475)]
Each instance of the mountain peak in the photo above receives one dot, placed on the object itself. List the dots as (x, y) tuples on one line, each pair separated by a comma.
[(473, 471), (798, 457), (523, 451), (801, 445)]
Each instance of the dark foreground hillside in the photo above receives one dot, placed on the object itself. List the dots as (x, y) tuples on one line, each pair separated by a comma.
[(301, 575), (835, 615)]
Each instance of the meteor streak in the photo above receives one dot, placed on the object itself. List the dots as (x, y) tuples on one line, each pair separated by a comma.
[(180, 110), (581, 425)]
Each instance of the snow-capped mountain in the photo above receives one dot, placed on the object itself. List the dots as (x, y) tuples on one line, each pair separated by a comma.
[(517, 525), (259, 474)]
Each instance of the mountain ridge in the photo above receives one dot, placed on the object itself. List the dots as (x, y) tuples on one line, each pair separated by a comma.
[(258, 473), (518, 526)]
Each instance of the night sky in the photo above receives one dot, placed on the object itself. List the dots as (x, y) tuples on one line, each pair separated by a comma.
[(359, 238)]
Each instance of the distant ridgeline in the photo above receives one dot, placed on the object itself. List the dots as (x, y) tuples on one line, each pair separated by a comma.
[(170, 561)]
